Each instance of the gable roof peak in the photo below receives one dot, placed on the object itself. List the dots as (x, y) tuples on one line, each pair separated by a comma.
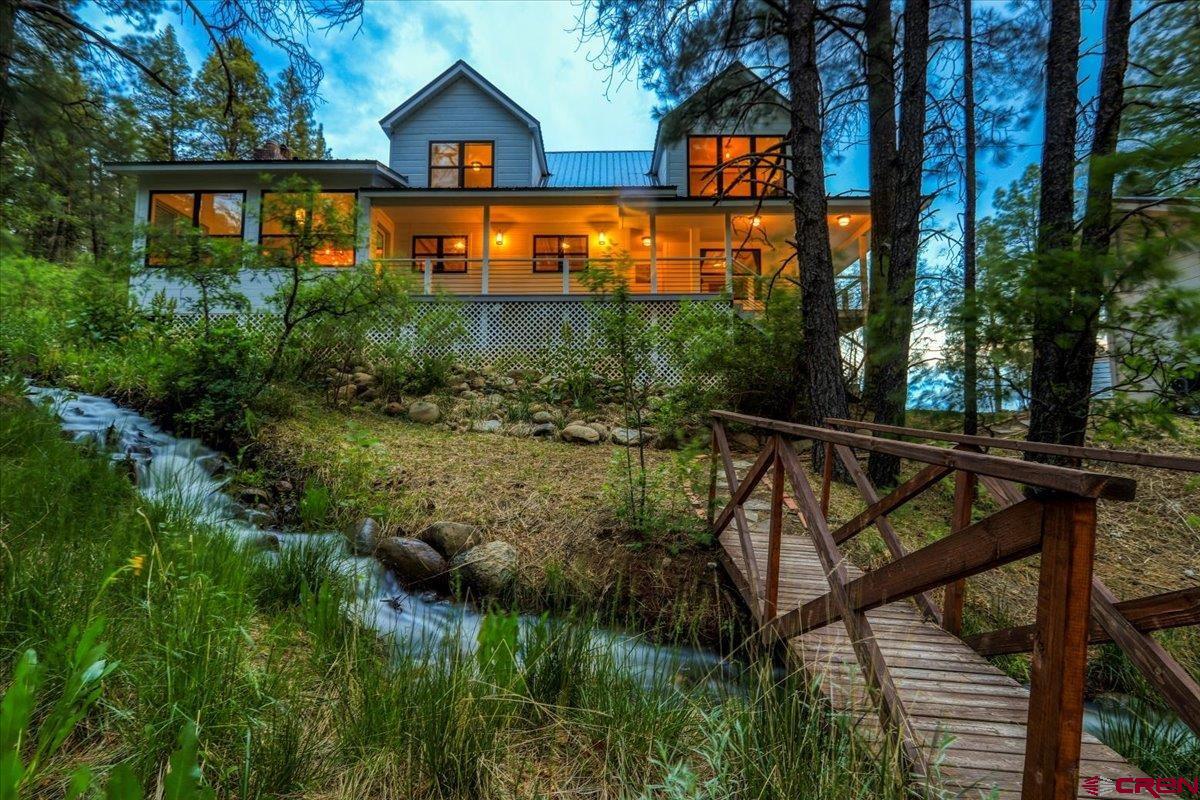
[(461, 69)]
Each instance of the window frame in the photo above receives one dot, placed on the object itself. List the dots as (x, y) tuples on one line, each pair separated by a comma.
[(757, 189), (195, 193), (462, 166), (262, 202), (574, 265), (439, 259), (719, 252)]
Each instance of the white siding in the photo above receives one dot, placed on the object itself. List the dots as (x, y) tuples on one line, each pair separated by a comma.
[(463, 111)]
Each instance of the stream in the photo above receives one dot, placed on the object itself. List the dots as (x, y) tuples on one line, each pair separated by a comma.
[(180, 472)]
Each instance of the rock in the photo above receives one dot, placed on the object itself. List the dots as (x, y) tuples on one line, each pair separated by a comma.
[(459, 388), (363, 537), (283, 486), (345, 394), (541, 417), (369, 394), (478, 382), (393, 409), (629, 437), (362, 379), (450, 538), (425, 412), (411, 560), (599, 428), (486, 426), (580, 434), (520, 429), (543, 429), (744, 441), (469, 394), (488, 569), (252, 495)]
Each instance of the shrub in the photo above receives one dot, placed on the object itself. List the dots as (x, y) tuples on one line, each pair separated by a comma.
[(212, 381)]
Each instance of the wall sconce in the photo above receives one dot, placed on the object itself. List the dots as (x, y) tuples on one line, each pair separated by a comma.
[(844, 221), (647, 241), (460, 245), (756, 220), (499, 238), (602, 239)]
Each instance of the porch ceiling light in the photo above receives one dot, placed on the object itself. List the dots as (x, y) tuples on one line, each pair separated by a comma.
[(499, 238), (844, 221), (647, 241), (756, 220), (600, 237)]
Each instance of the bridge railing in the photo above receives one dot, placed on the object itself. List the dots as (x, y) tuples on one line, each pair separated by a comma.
[(1056, 519), (1128, 623)]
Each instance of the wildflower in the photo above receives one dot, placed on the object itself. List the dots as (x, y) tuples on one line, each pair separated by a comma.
[(136, 563)]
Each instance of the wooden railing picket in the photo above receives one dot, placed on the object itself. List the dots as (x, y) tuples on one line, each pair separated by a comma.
[(774, 545), (721, 443), (964, 501)]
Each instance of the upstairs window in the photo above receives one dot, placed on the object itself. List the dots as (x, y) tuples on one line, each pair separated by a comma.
[(461, 165), (735, 166), (447, 253), (549, 252), (217, 214), (275, 235)]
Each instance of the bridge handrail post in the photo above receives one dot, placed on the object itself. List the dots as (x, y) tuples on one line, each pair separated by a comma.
[(964, 500), (1055, 720)]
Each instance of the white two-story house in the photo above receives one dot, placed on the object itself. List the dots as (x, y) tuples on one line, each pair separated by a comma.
[(472, 203)]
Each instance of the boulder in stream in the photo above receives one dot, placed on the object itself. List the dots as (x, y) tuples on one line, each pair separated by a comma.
[(363, 537), (450, 538), (488, 569), (411, 560)]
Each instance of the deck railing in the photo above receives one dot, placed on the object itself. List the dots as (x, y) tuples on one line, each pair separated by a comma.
[(1056, 519)]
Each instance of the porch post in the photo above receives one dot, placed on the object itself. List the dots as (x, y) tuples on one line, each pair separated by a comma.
[(365, 231), (863, 272), (566, 272), (487, 249), (728, 252), (653, 253)]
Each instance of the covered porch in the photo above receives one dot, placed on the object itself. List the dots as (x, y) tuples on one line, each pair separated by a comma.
[(534, 247)]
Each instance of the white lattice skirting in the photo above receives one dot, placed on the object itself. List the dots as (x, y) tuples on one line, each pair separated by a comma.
[(517, 332)]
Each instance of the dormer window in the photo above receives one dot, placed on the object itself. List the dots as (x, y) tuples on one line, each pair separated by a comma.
[(461, 165), (735, 166)]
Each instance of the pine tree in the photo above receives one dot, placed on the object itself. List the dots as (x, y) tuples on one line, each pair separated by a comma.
[(234, 109), (167, 121), (294, 112)]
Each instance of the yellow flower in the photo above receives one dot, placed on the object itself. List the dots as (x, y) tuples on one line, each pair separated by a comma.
[(136, 564)]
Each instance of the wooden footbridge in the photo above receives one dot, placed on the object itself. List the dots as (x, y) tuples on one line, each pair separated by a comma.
[(884, 652)]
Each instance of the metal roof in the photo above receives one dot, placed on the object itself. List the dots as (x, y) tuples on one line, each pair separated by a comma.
[(596, 168)]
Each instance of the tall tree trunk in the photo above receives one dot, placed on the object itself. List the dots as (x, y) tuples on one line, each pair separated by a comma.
[(8, 46), (888, 397), (881, 137), (823, 365), (1068, 287), (970, 319)]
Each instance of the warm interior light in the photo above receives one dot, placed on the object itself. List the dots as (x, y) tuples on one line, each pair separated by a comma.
[(756, 221), (460, 245), (566, 245), (475, 165), (499, 238), (844, 221), (647, 241), (602, 239), (300, 215)]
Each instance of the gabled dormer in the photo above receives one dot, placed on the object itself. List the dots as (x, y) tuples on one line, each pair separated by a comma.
[(725, 139), (461, 132)]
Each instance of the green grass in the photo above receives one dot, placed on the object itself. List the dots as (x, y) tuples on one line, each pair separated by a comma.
[(287, 696)]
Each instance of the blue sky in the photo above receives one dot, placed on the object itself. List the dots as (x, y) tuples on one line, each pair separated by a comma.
[(528, 50)]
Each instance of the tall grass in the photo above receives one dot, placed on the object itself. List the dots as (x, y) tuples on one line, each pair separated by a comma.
[(286, 695)]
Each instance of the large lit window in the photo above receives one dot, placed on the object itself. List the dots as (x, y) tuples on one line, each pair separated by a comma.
[(747, 264), (446, 253), (735, 166), (217, 214), (461, 165), (275, 235), (549, 252)]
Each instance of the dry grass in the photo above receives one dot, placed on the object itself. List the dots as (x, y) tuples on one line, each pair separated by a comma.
[(547, 498)]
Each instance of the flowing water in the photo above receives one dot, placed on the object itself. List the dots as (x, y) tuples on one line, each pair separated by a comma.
[(182, 473)]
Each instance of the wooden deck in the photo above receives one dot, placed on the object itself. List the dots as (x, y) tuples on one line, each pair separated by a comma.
[(969, 716)]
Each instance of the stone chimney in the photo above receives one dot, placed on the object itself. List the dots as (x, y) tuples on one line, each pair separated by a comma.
[(270, 151)]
